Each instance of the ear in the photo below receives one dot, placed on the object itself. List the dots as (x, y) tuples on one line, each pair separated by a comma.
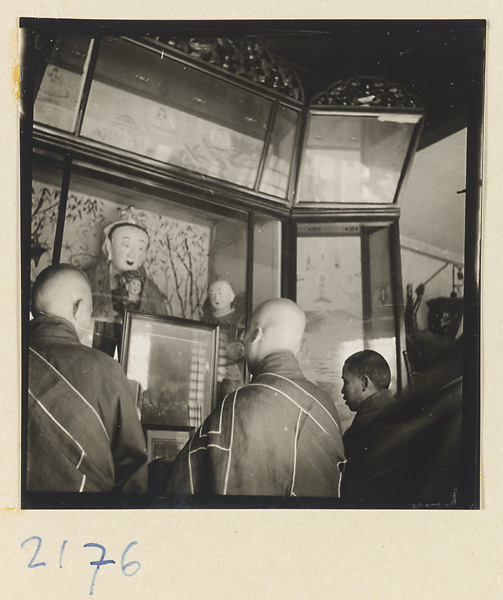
[(365, 382), (258, 334), (76, 309), (108, 248)]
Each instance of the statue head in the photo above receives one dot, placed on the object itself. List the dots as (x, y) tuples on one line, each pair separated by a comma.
[(131, 282), (125, 245), (221, 295)]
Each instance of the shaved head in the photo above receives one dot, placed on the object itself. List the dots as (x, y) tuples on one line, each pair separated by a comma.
[(63, 291), (276, 325)]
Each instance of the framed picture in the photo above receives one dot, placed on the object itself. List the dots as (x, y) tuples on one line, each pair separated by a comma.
[(174, 362), (165, 443)]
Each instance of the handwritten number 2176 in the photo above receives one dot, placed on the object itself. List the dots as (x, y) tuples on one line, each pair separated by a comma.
[(128, 569)]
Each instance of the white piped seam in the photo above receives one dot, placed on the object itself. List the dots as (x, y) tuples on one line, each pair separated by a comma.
[(74, 389), (305, 392), (295, 453)]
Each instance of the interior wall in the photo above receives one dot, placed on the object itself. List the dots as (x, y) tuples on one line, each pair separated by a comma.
[(432, 223)]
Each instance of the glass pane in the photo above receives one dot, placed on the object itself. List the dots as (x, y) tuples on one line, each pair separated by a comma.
[(60, 92), (280, 153), (380, 324), (146, 103), (226, 301), (45, 197), (354, 158), (266, 260), (329, 289), (187, 249), (344, 286)]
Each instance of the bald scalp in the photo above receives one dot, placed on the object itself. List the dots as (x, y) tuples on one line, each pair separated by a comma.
[(283, 323), (58, 289)]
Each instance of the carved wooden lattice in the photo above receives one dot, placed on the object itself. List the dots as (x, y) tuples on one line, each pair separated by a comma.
[(245, 58), (366, 91)]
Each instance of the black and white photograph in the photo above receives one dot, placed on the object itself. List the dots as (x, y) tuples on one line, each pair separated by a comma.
[(251, 263)]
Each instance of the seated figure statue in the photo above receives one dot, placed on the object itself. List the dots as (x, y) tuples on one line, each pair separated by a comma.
[(225, 308), (126, 243)]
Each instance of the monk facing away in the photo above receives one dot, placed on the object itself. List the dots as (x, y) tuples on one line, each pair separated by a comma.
[(84, 434), (277, 436)]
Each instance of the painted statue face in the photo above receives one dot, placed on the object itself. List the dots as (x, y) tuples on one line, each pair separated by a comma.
[(220, 295), (127, 248), (352, 390)]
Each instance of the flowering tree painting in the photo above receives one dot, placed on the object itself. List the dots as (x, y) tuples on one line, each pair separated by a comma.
[(44, 214)]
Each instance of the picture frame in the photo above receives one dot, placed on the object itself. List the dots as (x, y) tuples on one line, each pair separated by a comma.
[(174, 361), (165, 443)]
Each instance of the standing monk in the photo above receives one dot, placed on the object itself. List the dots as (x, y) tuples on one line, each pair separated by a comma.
[(84, 434), (279, 435)]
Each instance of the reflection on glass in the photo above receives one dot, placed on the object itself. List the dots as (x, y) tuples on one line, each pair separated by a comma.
[(354, 158), (266, 260), (280, 153), (344, 287), (174, 364), (146, 103), (60, 92)]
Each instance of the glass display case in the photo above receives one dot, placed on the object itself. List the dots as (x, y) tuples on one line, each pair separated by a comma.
[(186, 248), (142, 98), (219, 176)]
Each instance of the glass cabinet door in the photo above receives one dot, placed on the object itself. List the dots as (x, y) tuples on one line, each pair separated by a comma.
[(350, 157), (147, 103), (344, 285), (266, 260)]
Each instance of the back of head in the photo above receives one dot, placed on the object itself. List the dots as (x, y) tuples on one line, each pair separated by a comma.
[(276, 325), (372, 365), (63, 291)]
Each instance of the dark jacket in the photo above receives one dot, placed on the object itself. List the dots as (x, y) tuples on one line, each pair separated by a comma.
[(278, 436), (79, 400), (360, 440)]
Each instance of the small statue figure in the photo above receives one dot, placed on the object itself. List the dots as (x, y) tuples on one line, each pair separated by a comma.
[(226, 308), (128, 295)]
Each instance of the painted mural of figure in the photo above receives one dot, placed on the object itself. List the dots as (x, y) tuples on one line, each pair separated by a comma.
[(225, 308), (126, 243)]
